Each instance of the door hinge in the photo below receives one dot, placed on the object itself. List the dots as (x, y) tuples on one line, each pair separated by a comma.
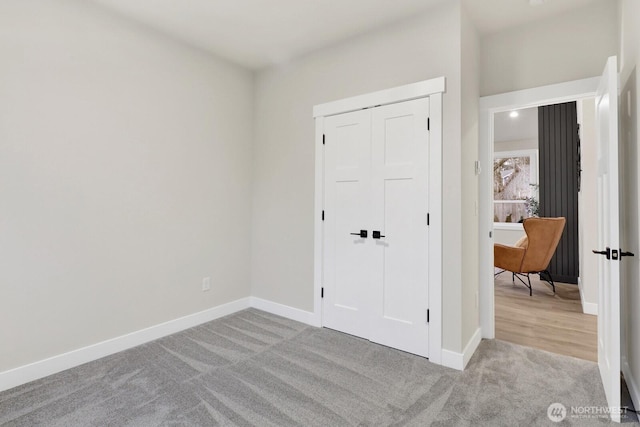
[(427, 315), (428, 219), (321, 292), (323, 139), (428, 123), (323, 215), (491, 234)]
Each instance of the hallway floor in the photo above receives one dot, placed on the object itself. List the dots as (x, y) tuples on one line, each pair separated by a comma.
[(545, 321)]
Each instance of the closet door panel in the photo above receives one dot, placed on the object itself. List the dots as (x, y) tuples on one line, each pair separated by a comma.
[(346, 273), (399, 192)]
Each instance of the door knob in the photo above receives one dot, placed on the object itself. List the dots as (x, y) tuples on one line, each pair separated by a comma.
[(376, 234), (606, 252), (362, 234)]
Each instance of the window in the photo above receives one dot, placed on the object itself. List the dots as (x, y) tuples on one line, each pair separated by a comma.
[(515, 185)]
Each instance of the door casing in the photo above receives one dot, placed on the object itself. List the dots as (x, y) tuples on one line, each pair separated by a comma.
[(489, 106), (433, 89)]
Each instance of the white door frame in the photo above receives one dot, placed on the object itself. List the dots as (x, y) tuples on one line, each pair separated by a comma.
[(489, 106), (429, 88)]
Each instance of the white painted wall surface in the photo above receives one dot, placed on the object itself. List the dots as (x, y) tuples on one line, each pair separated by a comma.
[(588, 219), (507, 237), (425, 47), (567, 47), (521, 144), (124, 179), (470, 63)]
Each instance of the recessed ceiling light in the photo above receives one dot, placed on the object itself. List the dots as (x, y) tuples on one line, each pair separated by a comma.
[(514, 114)]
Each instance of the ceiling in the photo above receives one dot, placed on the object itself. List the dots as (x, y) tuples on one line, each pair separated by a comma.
[(258, 33), (525, 126)]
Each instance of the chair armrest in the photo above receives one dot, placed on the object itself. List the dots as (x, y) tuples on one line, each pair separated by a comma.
[(508, 257)]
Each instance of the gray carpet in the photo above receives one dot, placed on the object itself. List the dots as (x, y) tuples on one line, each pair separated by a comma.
[(254, 368)]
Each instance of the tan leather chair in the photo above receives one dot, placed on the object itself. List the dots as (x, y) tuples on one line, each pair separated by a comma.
[(531, 255)]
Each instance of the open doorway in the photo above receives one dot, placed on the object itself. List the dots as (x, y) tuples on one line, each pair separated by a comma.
[(537, 165), (609, 227), (489, 107)]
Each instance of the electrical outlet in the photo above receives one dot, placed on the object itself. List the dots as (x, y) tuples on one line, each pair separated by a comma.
[(206, 284)]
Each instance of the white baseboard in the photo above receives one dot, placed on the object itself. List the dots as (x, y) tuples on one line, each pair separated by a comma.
[(632, 383), (33, 371), (457, 360), (24, 374), (296, 314), (587, 307)]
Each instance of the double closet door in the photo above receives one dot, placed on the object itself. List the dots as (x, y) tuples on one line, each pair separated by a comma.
[(376, 231)]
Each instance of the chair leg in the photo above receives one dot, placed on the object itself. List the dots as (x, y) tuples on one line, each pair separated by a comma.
[(523, 282), (548, 278)]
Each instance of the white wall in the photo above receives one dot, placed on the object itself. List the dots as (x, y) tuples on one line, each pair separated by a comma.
[(629, 57), (520, 144), (124, 179), (508, 237), (470, 63), (587, 199), (424, 47), (567, 47)]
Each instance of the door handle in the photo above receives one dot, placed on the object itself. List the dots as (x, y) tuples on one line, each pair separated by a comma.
[(376, 234), (623, 253), (606, 252), (362, 234)]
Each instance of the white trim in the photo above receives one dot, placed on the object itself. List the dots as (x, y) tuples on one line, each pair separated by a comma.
[(587, 307), (489, 105), (513, 226), (471, 346), (435, 238), (429, 88), (289, 312), (318, 224), (42, 368), (632, 384), (388, 96), (459, 361), (543, 95)]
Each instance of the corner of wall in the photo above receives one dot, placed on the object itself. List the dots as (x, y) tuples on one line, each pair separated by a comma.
[(470, 96)]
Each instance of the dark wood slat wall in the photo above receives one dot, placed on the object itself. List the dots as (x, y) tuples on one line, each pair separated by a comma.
[(558, 145)]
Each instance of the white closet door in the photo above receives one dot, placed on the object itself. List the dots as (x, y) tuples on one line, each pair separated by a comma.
[(346, 270), (376, 179), (399, 182)]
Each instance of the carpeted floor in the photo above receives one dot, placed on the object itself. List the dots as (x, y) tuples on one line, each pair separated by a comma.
[(254, 368)]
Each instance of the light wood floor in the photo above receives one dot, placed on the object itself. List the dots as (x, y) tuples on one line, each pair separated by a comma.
[(546, 321)]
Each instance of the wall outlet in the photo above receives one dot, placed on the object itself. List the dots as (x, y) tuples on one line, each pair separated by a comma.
[(206, 284)]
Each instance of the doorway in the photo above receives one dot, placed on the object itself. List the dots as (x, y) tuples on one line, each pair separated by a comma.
[(489, 107), (605, 90), (536, 174)]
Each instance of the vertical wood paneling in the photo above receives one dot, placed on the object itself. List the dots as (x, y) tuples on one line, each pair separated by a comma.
[(558, 145)]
